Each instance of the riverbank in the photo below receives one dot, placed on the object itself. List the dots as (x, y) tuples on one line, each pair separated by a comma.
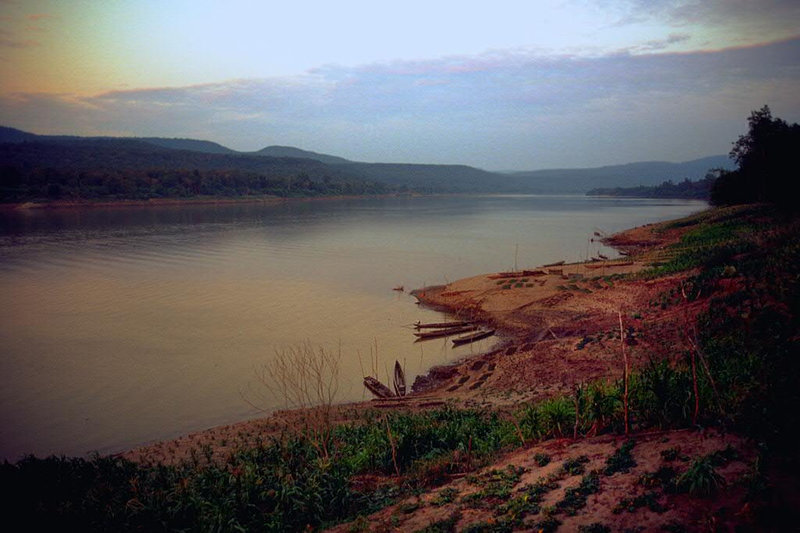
[(540, 320), (654, 392)]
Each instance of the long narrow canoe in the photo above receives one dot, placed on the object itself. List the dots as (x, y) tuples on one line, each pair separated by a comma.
[(504, 275), (472, 338), (399, 379), (377, 388), (520, 274), (440, 325), (613, 264), (444, 332)]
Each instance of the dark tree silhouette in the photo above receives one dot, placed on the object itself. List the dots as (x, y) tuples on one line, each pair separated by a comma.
[(766, 157)]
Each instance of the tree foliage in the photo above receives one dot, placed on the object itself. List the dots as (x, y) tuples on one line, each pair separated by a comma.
[(766, 156), (112, 170), (687, 189)]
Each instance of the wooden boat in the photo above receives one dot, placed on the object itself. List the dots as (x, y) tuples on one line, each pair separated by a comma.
[(537, 272), (505, 275), (399, 288), (377, 388), (399, 379), (609, 265), (603, 257), (439, 325), (472, 338), (425, 335), (557, 263)]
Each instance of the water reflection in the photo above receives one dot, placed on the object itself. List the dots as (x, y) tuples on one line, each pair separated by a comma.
[(121, 326)]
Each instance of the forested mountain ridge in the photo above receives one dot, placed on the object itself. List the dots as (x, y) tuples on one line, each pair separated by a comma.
[(136, 169), (648, 173), (291, 151), (46, 167)]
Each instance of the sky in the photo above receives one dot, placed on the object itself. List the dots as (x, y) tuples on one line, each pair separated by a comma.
[(501, 85)]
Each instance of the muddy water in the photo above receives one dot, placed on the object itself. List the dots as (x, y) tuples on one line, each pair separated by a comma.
[(128, 325)]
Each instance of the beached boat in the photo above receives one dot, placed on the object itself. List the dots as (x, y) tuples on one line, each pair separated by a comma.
[(505, 275), (609, 265), (425, 335), (537, 272), (399, 379), (377, 388), (472, 338), (440, 325)]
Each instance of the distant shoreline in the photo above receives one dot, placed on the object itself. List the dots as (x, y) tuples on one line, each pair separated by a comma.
[(179, 202)]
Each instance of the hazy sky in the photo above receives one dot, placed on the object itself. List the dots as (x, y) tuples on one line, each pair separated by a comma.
[(498, 85)]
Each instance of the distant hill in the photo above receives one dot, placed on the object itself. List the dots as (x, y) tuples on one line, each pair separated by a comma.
[(12, 135), (83, 169), (650, 173), (192, 145), (290, 151), (142, 154), (431, 178)]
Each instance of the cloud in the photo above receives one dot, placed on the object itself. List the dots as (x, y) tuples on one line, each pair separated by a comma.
[(9, 40), (757, 16), (41, 16), (504, 109)]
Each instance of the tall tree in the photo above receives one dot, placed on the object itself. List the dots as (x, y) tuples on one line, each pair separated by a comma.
[(767, 158)]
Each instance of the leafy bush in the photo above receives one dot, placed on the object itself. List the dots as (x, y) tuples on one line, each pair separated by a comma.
[(701, 479), (621, 460)]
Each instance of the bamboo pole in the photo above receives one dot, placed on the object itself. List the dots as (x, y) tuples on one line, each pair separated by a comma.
[(625, 372)]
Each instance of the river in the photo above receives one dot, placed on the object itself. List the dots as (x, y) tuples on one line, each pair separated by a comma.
[(121, 326)]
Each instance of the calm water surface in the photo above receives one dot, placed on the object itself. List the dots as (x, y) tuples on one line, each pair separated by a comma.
[(127, 325)]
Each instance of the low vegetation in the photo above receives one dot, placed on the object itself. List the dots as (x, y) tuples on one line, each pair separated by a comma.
[(744, 379)]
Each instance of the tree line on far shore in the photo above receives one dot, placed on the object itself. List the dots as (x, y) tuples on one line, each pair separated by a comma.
[(133, 170), (688, 189), (765, 157)]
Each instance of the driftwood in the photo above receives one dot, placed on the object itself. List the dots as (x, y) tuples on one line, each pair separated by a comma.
[(377, 388)]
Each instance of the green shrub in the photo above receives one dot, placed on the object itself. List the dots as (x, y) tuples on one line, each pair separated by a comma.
[(701, 479), (621, 460)]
